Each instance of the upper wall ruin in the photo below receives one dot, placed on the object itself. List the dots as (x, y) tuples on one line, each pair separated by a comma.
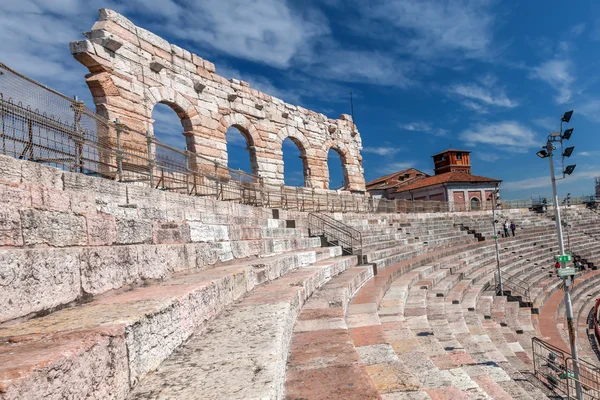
[(132, 69)]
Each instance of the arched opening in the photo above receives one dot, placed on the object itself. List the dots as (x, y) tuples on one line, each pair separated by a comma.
[(170, 121), (241, 155), (338, 176), (475, 203), (295, 169)]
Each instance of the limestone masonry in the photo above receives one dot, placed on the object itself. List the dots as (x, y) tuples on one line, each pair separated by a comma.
[(132, 69)]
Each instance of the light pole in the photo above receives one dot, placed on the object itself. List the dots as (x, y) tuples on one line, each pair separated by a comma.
[(567, 202), (495, 196), (563, 272)]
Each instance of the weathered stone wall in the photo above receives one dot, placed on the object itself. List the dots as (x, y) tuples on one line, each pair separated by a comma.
[(131, 70), (66, 236)]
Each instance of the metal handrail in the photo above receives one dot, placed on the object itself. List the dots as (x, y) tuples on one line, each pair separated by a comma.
[(517, 285), (554, 368), (334, 230)]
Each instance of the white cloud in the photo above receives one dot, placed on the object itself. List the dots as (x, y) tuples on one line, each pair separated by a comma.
[(589, 153), (544, 181), (577, 29), (483, 95), (398, 166), (558, 74), (487, 156), (548, 123), (505, 135), (382, 151), (265, 31), (424, 127), (433, 28), (590, 109)]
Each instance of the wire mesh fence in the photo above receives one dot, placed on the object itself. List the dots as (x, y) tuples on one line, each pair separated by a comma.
[(42, 125)]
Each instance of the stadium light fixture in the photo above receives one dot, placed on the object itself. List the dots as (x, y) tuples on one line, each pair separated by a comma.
[(568, 151), (567, 116), (567, 134), (546, 152), (569, 170)]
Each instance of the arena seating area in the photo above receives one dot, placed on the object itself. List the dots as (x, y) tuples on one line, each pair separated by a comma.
[(115, 291)]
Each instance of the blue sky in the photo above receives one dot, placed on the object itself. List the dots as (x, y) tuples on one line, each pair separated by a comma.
[(493, 77)]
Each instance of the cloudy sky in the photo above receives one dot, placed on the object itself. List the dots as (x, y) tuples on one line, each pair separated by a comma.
[(492, 77)]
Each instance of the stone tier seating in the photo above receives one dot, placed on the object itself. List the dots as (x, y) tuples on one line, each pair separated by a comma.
[(481, 222), (118, 291), (102, 281), (427, 326)]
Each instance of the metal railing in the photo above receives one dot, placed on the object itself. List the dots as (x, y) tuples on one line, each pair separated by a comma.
[(516, 286), (336, 232), (42, 125), (596, 326), (554, 368)]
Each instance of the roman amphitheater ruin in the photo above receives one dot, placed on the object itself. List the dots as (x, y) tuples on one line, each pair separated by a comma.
[(131, 70), (128, 274)]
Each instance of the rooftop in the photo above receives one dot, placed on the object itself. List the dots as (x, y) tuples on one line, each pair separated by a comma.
[(449, 177), (447, 150)]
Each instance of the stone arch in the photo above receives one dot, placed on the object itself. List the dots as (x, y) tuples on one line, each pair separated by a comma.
[(342, 150), (303, 145), (248, 131)]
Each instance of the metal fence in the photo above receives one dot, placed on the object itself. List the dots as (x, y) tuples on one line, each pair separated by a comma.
[(555, 369), (42, 125)]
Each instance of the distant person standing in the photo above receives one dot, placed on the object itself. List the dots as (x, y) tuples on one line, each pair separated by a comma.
[(513, 227), (506, 227)]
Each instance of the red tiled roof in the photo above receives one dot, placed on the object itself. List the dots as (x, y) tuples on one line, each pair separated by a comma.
[(394, 179), (448, 177)]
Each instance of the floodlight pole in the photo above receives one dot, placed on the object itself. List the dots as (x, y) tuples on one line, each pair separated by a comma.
[(567, 281), (500, 286)]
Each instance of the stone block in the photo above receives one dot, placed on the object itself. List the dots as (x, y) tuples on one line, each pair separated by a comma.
[(245, 248), (10, 228), (34, 280), (101, 229), (45, 198), (15, 196), (223, 250), (200, 255), (109, 267), (102, 189), (172, 258), (133, 231), (10, 169), (82, 203), (200, 232), (170, 232), (53, 228), (81, 46), (244, 232)]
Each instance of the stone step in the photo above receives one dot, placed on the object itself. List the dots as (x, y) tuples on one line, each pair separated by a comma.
[(108, 345), (243, 352), (321, 347)]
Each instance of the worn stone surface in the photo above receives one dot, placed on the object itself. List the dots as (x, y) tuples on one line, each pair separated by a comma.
[(101, 229), (133, 231), (10, 228), (128, 86), (107, 268), (53, 228), (65, 366), (37, 279)]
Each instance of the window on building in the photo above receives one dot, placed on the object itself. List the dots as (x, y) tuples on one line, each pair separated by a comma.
[(459, 156), (475, 204)]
